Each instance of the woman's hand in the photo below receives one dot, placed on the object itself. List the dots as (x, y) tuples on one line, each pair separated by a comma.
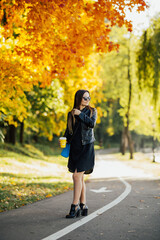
[(76, 111)]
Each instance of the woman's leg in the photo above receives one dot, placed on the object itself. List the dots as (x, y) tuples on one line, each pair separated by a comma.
[(77, 180), (83, 192), (83, 206)]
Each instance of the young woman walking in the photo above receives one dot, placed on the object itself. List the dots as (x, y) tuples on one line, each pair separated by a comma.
[(79, 133)]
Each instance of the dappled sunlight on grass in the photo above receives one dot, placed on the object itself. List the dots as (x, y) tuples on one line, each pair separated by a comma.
[(30, 166), (9, 150), (25, 179), (115, 165), (141, 161)]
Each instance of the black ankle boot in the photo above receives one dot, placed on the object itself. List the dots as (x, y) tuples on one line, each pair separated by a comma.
[(84, 209), (74, 212)]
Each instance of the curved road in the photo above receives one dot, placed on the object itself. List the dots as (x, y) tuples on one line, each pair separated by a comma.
[(124, 203)]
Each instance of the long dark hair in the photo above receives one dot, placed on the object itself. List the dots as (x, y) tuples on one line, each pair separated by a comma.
[(77, 102), (78, 98)]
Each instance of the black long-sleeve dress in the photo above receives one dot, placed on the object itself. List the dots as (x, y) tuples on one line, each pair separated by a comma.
[(81, 157)]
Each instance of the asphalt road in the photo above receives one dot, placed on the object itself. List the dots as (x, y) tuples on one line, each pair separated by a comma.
[(127, 209)]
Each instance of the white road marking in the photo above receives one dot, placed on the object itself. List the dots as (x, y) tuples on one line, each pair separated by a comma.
[(101, 190), (91, 216)]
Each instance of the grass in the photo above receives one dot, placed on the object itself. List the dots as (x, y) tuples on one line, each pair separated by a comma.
[(140, 161), (28, 174)]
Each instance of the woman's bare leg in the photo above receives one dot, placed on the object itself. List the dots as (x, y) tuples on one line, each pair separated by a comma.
[(77, 180), (83, 192)]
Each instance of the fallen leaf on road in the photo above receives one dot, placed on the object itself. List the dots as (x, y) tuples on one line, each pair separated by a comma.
[(156, 197)]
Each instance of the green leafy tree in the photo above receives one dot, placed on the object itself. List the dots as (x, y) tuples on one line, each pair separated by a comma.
[(148, 60), (117, 75), (47, 110), (148, 72), (120, 83)]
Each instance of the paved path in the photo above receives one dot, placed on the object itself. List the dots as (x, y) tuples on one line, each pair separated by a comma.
[(124, 203)]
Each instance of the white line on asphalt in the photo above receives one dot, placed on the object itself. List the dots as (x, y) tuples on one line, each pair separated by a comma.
[(93, 215), (100, 190)]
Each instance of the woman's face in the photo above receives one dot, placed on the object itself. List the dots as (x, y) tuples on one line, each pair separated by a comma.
[(85, 99)]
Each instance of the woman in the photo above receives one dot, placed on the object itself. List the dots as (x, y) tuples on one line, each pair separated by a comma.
[(79, 133)]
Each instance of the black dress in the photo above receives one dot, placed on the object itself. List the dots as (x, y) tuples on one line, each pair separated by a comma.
[(81, 157)]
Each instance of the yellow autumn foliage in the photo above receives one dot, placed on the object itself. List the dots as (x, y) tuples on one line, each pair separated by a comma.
[(44, 40)]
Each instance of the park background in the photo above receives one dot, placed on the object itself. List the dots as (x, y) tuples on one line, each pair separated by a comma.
[(49, 50)]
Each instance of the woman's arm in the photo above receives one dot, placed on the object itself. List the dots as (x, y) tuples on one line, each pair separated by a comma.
[(90, 122)]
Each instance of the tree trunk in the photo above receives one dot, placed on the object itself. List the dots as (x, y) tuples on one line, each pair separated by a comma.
[(11, 134), (126, 141), (126, 134), (130, 144), (35, 138), (123, 142), (21, 132)]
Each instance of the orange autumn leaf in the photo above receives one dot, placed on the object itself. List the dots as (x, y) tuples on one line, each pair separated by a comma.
[(45, 40), (58, 34), (49, 195)]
